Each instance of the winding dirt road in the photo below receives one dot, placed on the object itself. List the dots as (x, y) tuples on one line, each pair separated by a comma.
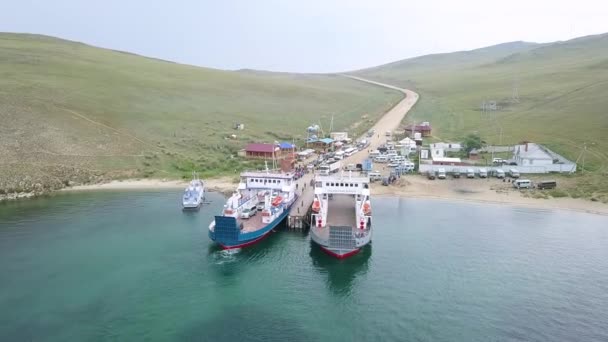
[(389, 121)]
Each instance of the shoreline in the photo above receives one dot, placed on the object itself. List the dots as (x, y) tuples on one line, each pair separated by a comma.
[(483, 191), (414, 187), (222, 185)]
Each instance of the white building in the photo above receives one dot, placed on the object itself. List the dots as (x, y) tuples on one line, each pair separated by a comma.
[(530, 154), (407, 146), (339, 136), (448, 147)]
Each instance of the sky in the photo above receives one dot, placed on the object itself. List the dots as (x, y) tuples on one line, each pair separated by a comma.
[(302, 36)]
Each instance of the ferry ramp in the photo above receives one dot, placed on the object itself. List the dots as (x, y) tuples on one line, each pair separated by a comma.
[(299, 215), (341, 211)]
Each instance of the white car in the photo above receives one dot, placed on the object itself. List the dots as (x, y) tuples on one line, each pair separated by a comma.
[(249, 212)]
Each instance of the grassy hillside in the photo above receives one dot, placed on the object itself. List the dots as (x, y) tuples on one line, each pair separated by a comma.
[(70, 111), (562, 98)]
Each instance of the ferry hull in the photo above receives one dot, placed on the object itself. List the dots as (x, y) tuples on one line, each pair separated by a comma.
[(346, 245), (228, 234), (340, 254)]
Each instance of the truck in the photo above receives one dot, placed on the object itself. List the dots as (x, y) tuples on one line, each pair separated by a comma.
[(327, 169)]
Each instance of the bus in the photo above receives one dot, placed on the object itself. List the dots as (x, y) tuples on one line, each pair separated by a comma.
[(350, 151)]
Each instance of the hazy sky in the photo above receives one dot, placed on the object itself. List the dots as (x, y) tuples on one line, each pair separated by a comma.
[(303, 36)]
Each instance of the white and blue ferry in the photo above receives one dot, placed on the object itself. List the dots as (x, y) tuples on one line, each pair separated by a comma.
[(262, 200), (194, 194)]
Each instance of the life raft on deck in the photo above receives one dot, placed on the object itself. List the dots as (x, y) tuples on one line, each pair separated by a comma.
[(367, 208), (276, 201), (316, 206)]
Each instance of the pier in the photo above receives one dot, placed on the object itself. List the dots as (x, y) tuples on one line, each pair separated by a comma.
[(299, 215)]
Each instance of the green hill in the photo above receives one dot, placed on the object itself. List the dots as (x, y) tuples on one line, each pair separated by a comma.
[(73, 112), (562, 91)]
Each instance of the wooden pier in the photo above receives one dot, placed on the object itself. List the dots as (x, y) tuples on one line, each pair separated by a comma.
[(299, 215)]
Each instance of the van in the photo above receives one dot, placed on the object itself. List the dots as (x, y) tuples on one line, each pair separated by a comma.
[(483, 173), (546, 184), (397, 159), (375, 176), (456, 173), (374, 154), (500, 173), (514, 173), (351, 167), (249, 212), (470, 173), (430, 174), (441, 173), (381, 159), (522, 184)]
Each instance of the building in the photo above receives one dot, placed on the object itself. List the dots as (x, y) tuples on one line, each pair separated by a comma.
[(530, 154), (425, 129), (288, 149), (322, 145), (339, 136), (265, 151), (474, 154), (448, 147)]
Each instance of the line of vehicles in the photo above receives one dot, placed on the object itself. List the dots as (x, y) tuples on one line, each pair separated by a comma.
[(441, 173), (481, 172)]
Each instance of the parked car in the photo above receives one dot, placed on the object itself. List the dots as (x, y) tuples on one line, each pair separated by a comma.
[(249, 212), (375, 176), (430, 174), (522, 184), (514, 173), (500, 173), (441, 173), (483, 173), (470, 173), (456, 173)]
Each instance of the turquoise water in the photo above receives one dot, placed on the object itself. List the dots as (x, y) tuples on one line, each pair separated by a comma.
[(132, 266)]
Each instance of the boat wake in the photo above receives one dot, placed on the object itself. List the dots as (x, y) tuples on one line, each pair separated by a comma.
[(225, 256)]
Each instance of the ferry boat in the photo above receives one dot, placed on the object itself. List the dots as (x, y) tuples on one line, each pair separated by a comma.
[(261, 201), (341, 218), (194, 193)]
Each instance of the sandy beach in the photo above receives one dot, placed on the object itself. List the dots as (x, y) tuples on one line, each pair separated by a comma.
[(223, 185), (481, 191)]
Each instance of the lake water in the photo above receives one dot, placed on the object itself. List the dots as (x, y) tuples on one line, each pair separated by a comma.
[(130, 266)]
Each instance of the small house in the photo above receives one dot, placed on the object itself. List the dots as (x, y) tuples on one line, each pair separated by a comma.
[(424, 129), (324, 144), (530, 154), (265, 151)]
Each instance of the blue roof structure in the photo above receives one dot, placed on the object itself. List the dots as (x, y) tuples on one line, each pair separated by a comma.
[(326, 140), (286, 146)]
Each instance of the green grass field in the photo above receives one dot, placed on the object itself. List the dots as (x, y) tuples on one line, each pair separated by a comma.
[(67, 104), (562, 98)]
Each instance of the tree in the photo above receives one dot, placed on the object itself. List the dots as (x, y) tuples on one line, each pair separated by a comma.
[(471, 142)]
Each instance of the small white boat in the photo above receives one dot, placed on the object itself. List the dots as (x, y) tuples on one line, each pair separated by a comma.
[(194, 194)]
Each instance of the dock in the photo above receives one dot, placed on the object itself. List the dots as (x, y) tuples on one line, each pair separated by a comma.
[(299, 215)]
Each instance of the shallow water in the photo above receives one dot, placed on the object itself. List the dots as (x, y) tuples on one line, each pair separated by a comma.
[(132, 266)]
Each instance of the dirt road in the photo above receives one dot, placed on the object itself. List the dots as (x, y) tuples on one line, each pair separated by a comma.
[(389, 122)]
